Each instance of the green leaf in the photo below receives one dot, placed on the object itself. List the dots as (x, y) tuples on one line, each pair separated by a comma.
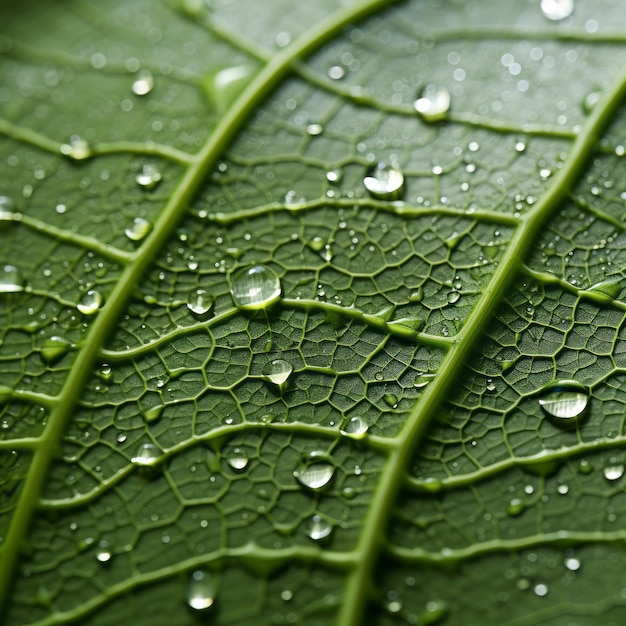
[(312, 312)]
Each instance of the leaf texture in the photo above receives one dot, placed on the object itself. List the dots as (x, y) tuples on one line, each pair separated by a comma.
[(280, 345)]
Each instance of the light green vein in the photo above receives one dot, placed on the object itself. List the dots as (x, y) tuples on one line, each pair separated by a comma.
[(250, 555), (499, 467), (452, 556), (275, 70), (150, 148), (428, 405)]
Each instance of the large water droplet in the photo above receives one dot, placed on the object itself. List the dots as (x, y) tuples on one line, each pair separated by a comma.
[(139, 229), (564, 400), (255, 288), (277, 372), (146, 455), (149, 177), (557, 9), (433, 103), (77, 149), (318, 528), (315, 471), (614, 471), (200, 303), (355, 427), (201, 591), (11, 280), (90, 302), (54, 349), (384, 182), (236, 458), (143, 83)]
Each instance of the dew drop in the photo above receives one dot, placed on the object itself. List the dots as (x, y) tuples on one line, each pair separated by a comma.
[(315, 471), (433, 103), (584, 467), (139, 229), (391, 400), (318, 528), (149, 177), (515, 507), (316, 244), (146, 455), (557, 10), (77, 149), (143, 83), (613, 472), (236, 459), (564, 400), (90, 302), (257, 287), (200, 303), (11, 280), (336, 72), (384, 182), (541, 590), (54, 349), (104, 553), (201, 591), (152, 414), (314, 129), (572, 564), (453, 297), (333, 176), (277, 372), (355, 427)]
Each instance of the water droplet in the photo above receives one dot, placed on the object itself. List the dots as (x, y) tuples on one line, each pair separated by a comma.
[(590, 101), (314, 129), (541, 590), (152, 413), (201, 591), (255, 288), (336, 72), (384, 182), (315, 471), (11, 280), (355, 427), (277, 372), (391, 400), (143, 83), (237, 459), (104, 553), (54, 349), (584, 467), (572, 564), (515, 507), (77, 149), (200, 303), (557, 9), (564, 400), (90, 302), (316, 244), (318, 528), (453, 297), (149, 177), (139, 229), (614, 471), (333, 176), (433, 103), (146, 455)]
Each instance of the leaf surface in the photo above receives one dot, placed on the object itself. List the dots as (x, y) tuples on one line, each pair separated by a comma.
[(251, 375)]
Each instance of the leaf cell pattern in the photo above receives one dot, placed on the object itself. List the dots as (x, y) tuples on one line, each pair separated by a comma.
[(370, 442)]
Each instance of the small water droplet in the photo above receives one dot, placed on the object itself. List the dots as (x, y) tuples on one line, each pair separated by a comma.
[(314, 129), (201, 591), (433, 103), (152, 413), (315, 471), (564, 400), (54, 349), (237, 459), (541, 590), (515, 507), (143, 83), (384, 182), (277, 372), (557, 10), (584, 467), (391, 400), (316, 244), (614, 471), (319, 528), (146, 455), (572, 564), (336, 72), (453, 297), (149, 177), (417, 295), (106, 371), (90, 302), (139, 229), (333, 176), (355, 427), (10, 280), (200, 303), (255, 288), (104, 555), (77, 149)]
